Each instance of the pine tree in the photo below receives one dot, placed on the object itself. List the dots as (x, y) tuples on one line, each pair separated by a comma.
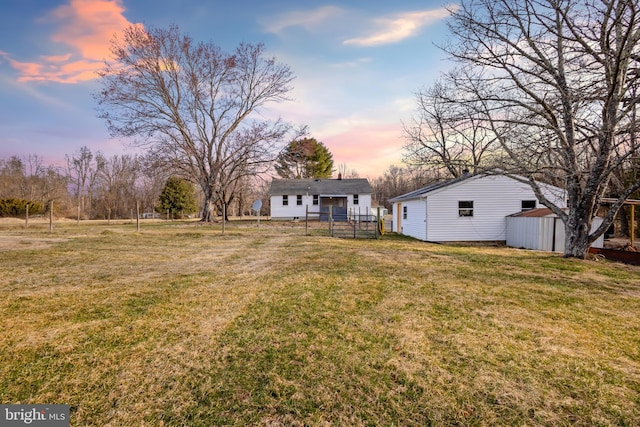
[(305, 158), (178, 197)]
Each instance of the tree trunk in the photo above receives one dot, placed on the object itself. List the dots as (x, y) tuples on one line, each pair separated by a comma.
[(207, 206), (577, 235)]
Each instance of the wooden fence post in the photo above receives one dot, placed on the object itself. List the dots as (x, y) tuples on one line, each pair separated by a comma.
[(51, 216), (331, 220), (224, 216)]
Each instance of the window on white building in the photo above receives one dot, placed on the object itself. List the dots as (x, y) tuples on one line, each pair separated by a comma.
[(465, 208), (285, 200)]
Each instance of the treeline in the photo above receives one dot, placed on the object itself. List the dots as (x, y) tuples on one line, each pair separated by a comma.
[(94, 186)]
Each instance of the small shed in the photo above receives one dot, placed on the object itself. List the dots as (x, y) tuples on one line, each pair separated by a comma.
[(542, 230)]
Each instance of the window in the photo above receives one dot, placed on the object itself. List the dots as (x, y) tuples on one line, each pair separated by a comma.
[(465, 208), (528, 204), (299, 200), (404, 212), (315, 199), (355, 199), (285, 200)]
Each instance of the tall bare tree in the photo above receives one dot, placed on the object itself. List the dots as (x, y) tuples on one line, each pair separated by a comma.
[(116, 189), (192, 105), (81, 171), (555, 80), (397, 180), (447, 132)]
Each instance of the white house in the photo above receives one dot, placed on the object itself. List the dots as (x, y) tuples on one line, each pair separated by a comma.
[(469, 208), (290, 198)]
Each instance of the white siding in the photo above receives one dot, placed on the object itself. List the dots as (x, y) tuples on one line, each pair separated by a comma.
[(415, 224), (292, 210), (394, 218), (362, 208), (278, 211), (494, 197)]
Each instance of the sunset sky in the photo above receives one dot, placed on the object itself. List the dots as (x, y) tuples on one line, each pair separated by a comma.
[(357, 64)]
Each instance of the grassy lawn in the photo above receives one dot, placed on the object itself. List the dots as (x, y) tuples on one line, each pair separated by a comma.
[(181, 326)]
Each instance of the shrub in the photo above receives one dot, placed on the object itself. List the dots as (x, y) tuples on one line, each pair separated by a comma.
[(18, 207)]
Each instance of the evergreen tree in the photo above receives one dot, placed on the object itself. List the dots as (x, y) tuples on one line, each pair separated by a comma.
[(178, 197), (305, 159)]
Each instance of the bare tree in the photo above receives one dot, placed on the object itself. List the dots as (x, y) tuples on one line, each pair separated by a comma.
[(397, 180), (345, 172), (116, 191), (192, 105), (554, 79), (30, 179), (448, 132), (151, 181), (81, 171)]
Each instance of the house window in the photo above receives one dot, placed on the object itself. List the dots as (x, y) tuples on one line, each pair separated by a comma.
[(465, 208), (355, 199), (404, 212), (315, 200), (285, 200), (528, 204), (299, 200)]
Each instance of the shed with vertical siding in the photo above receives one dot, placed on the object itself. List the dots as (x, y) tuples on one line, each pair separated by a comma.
[(541, 229)]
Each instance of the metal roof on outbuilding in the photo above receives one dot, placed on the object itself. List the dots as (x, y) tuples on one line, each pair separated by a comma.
[(334, 187), (533, 213)]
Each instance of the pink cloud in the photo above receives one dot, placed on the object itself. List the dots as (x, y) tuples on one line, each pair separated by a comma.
[(369, 149), (85, 29), (89, 25)]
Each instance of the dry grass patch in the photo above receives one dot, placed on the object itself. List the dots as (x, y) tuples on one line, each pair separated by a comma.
[(179, 325)]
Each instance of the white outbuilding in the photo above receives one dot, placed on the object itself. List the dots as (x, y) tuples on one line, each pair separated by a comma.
[(473, 207)]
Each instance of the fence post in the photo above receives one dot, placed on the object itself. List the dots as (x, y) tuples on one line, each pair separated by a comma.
[(306, 221), (331, 220), (26, 218), (51, 216), (137, 216), (224, 216)]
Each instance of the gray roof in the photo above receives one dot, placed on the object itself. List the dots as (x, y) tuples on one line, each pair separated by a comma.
[(334, 187), (416, 194)]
